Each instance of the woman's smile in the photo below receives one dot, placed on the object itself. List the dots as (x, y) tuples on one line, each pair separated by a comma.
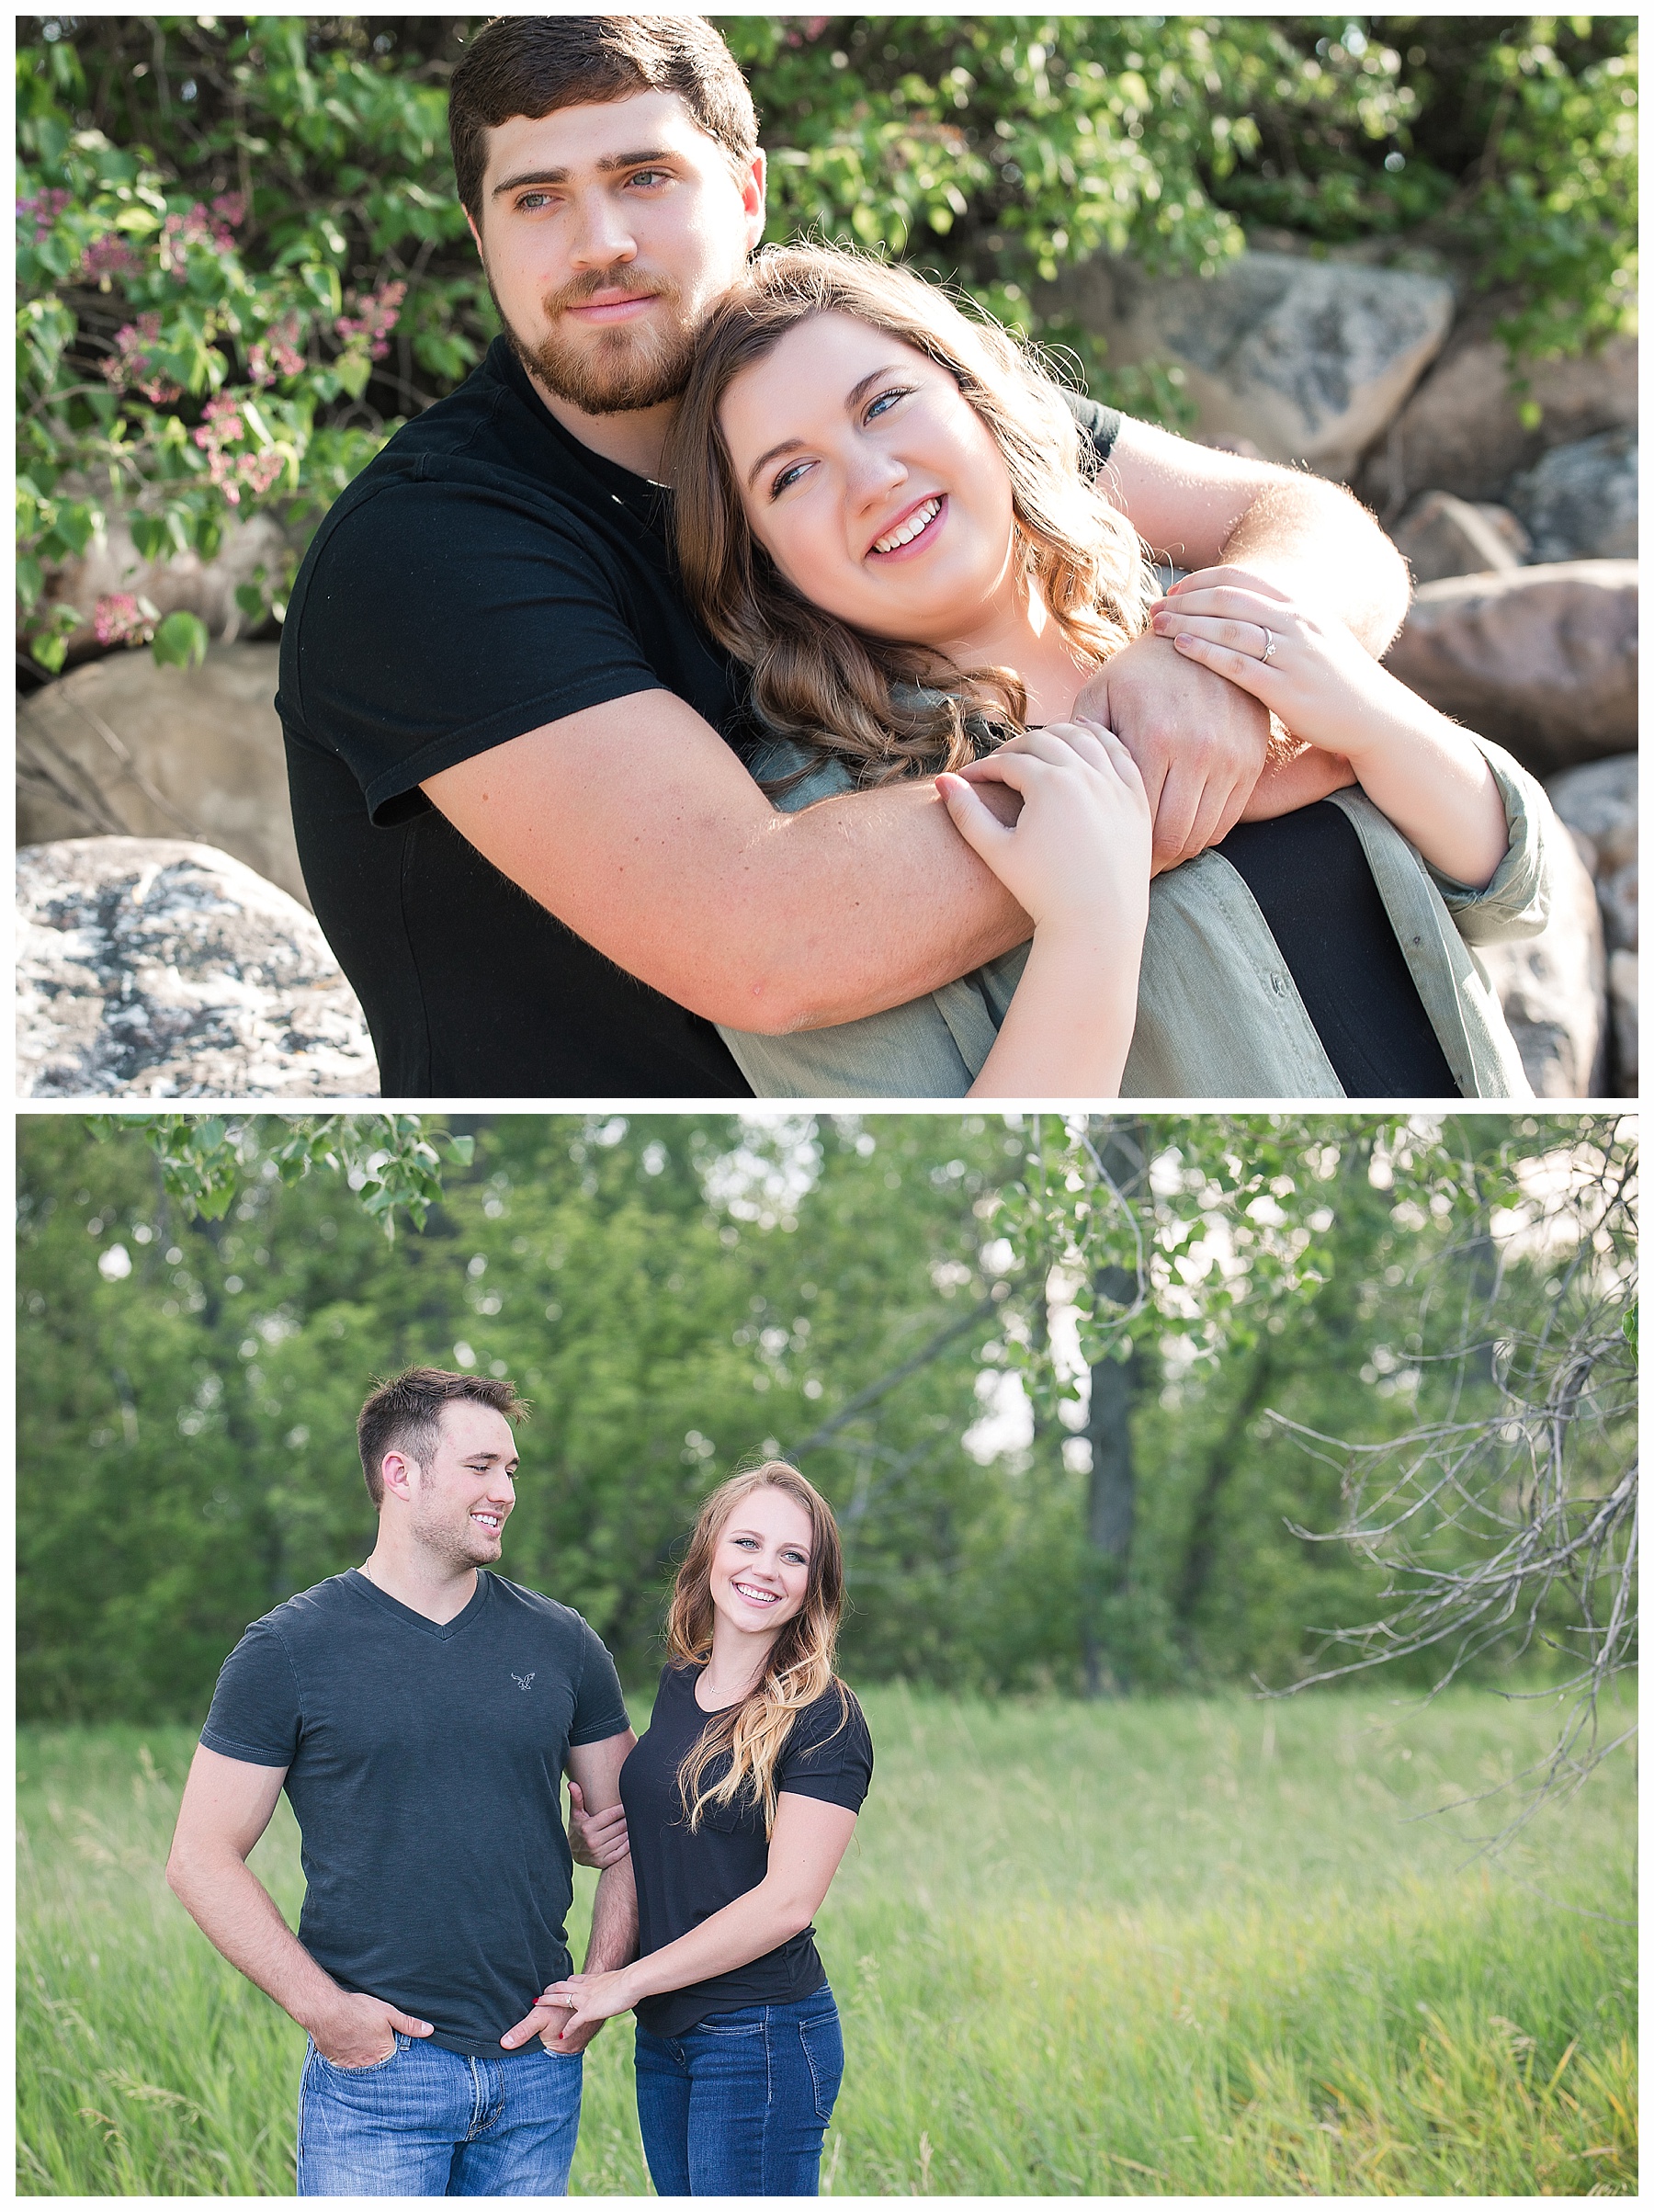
[(916, 525)]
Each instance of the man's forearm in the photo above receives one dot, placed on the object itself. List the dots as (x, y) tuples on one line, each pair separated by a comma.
[(614, 1938), (1319, 542), (239, 1917)]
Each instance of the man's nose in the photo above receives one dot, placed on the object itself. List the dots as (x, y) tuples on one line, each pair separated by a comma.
[(602, 235)]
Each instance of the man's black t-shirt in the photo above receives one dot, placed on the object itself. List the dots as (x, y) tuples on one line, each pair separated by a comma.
[(425, 1767), (683, 1879), (487, 574)]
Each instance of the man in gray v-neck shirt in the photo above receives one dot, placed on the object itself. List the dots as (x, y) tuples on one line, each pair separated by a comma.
[(420, 1714)]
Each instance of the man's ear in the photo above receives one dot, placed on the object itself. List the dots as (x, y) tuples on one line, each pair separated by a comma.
[(751, 198), (477, 236), (395, 1468)]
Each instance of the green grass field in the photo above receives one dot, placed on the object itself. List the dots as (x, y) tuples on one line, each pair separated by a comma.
[(1179, 1947)]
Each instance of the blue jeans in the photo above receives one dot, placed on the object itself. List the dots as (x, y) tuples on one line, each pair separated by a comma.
[(425, 2122), (738, 2105)]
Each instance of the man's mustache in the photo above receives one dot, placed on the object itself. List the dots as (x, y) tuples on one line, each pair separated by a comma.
[(622, 279)]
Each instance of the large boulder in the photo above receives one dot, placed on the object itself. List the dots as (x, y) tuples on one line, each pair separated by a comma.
[(1463, 429), (1622, 999), (1442, 536), (1579, 502), (1308, 359), (1542, 659), (1598, 801), (124, 747), (112, 565), (1554, 988), (150, 967)]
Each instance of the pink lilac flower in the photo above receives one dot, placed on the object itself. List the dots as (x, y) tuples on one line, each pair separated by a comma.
[(277, 353), (116, 620), (110, 255), (131, 368), (201, 227), (44, 208), (377, 319), (224, 425)]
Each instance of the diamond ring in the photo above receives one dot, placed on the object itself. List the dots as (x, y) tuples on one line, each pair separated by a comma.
[(1269, 645)]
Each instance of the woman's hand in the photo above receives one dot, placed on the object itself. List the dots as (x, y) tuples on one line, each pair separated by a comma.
[(1425, 773), (1078, 856), (592, 1997)]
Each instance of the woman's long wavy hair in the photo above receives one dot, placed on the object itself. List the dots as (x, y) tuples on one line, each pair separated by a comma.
[(890, 708), (800, 1668)]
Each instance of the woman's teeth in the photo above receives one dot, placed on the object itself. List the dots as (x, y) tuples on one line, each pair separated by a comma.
[(756, 1597), (921, 518)]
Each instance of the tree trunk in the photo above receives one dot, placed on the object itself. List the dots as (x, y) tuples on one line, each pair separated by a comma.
[(1111, 1494)]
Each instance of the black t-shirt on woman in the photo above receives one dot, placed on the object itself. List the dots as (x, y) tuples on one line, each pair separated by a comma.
[(683, 1879)]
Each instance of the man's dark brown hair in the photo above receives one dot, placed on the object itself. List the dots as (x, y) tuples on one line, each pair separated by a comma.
[(533, 65), (406, 1415)]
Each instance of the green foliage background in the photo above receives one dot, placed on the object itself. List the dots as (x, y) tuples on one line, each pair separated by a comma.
[(676, 1293), (990, 149)]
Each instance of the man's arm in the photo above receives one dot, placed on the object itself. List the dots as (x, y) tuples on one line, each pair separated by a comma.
[(636, 826), (594, 1771), (1200, 743), (227, 1807)]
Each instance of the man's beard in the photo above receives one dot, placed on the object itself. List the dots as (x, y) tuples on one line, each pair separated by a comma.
[(622, 368)]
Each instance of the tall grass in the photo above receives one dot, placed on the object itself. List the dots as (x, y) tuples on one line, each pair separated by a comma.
[(1184, 1946)]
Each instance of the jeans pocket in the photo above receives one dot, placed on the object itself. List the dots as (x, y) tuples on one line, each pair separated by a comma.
[(354, 2074), (823, 2045)]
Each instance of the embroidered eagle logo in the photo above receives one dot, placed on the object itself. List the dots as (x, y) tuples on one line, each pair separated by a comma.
[(522, 1680)]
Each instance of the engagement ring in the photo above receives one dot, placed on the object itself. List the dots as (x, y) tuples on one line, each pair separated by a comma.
[(1269, 644)]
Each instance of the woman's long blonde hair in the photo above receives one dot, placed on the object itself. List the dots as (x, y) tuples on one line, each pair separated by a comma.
[(800, 1668), (886, 707)]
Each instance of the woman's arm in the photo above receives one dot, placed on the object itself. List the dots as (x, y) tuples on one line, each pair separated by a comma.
[(1076, 858), (809, 1840), (1424, 771)]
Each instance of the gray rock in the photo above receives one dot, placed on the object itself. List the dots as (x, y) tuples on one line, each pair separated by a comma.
[(1462, 430), (1541, 659), (1442, 536), (1621, 1000), (1616, 895), (1554, 989), (149, 968), (112, 564), (122, 747), (1599, 801), (1579, 502), (1308, 359)]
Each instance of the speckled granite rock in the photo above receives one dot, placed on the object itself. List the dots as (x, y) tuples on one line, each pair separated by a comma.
[(150, 968), (1554, 988)]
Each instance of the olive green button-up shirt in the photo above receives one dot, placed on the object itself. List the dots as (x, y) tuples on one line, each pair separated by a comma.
[(1219, 1014)]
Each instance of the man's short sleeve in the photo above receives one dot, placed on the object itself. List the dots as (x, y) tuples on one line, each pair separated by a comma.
[(829, 1753), (1099, 423), (255, 1712), (599, 1708), (440, 620)]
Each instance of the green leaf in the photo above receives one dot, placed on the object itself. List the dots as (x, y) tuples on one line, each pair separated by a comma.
[(180, 640)]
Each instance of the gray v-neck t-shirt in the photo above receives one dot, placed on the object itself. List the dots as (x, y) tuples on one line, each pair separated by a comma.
[(425, 1766)]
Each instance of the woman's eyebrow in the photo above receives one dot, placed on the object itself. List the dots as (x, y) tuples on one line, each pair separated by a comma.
[(853, 399), (789, 1543)]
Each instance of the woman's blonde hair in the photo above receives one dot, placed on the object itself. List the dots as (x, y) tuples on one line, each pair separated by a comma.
[(890, 708), (800, 1668)]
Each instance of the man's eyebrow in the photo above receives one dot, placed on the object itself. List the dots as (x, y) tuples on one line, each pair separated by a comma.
[(853, 399), (606, 166)]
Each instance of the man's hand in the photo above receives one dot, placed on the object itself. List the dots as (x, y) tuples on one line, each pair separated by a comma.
[(549, 2021), (360, 2031), (596, 1839), (1200, 745)]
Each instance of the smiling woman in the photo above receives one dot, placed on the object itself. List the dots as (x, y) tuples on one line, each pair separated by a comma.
[(740, 1802)]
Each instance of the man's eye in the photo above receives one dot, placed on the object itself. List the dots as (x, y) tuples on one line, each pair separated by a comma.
[(531, 200), (787, 478), (885, 400), (648, 176)]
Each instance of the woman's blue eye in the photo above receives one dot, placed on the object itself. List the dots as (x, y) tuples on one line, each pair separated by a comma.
[(885, 401), (787, 477)]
